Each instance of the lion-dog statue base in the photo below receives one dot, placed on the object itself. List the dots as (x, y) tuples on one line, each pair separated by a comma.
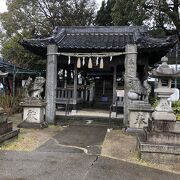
[(33, 104)]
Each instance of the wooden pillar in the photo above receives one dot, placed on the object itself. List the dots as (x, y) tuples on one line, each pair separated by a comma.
[(51, 82), (130, 71), (74, 111), (114, 84), (146, 70), (14, 81), (114, 91)]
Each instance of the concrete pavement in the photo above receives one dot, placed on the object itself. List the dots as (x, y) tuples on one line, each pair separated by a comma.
[(73, 154)]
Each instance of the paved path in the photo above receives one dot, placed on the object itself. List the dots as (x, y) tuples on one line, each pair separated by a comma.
[(74, 155)]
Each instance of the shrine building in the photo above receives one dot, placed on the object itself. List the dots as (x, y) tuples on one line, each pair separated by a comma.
[(89, 67)]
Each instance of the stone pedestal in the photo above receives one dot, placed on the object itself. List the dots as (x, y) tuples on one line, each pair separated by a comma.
[(139, 113), (6, 129), (160, 142), (33, 113)]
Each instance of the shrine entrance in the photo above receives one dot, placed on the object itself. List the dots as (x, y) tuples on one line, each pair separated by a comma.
[(103, 92), (90, 66), (81, 88)]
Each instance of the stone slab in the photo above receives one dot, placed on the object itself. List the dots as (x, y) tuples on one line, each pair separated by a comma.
[(32, 102), (158, 153), (9, 135), (161, 125), (163, 137), (135, 131), (140, 105), (138, 119), (164, 158), (139, 114), (30, 125), (33, 114), (163, 116)]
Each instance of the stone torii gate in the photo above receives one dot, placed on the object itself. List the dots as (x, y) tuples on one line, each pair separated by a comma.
[(139, 48), (51, 81)]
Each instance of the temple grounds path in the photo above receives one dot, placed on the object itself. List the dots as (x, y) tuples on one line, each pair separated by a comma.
[(77, 152)]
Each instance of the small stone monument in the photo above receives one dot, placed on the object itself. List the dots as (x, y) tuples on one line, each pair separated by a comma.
[(139, 108), (161, 140), (33, 104), (6, 129)]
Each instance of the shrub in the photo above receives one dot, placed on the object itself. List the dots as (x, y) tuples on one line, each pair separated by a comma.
[(176, 109), (153, 101), (10, 104)]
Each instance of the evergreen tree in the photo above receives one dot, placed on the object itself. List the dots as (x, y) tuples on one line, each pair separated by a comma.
[(103, 17), (31, 19), (129, 12), (164, 14)]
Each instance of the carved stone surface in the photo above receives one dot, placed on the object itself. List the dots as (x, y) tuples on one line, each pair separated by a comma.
[(130, 72), (34, 89), (33, 111), (33, 115), (137, 91), (139, 113)]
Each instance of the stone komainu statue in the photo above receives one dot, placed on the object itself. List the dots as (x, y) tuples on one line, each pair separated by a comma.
[(34, 89), (137, 90)]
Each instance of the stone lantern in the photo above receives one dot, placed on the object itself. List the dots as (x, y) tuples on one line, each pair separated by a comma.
[(163, 112), (161, 139)]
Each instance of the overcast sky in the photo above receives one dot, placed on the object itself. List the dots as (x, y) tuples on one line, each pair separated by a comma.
[(4, 8)]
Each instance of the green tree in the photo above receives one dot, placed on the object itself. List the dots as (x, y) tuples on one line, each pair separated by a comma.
[(14, 52), (129, 12), (103, 17), (31, 19), (164, 14)]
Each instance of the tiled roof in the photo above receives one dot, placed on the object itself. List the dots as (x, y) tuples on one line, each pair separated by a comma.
[(99, 39)]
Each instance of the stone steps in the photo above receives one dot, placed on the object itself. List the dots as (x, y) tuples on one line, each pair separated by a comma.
[(162, 138), (158, 153), (89, 120)]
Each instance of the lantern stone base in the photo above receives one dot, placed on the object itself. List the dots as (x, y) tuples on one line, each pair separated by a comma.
[(160, 142), (139, 113), (33, 113), (159, 153)]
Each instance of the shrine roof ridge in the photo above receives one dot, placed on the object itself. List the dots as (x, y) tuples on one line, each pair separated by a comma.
[(101, 29), (98, 38)]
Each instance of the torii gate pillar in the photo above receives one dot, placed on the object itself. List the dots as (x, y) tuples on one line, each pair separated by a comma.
[(51, 83), (130, 72)]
